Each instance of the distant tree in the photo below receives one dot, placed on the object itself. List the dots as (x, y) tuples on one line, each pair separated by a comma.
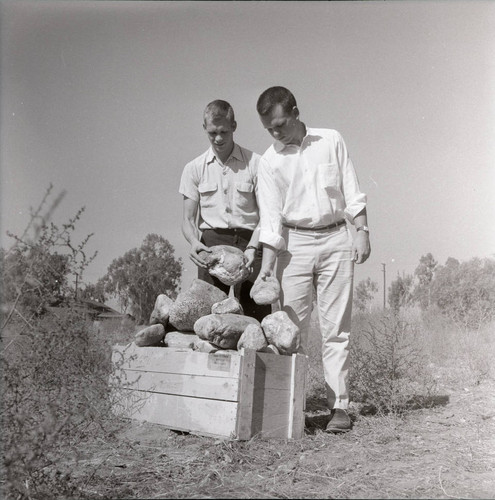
[(465, 292), (400, 292), (364, 293), (36, 268), (94, 292), (141, 274), (424, 274)]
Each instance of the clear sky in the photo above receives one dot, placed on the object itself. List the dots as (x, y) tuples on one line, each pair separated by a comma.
[(105, 100)]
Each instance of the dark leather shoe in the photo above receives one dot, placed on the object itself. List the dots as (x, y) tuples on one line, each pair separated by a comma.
[(339, 421)]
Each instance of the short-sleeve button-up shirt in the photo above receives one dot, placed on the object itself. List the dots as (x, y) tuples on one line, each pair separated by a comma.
[(226, 192)]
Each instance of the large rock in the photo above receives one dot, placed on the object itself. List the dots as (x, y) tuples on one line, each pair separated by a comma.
[(150, 336), (230, 305), (223, 330), (226, 263), (265, 291), (204, 346), (281, 332), (180, 339), (252, 338), (161, 311), (194, 303)]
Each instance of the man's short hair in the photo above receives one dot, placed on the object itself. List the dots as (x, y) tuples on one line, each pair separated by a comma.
[(273, 96), (218, 109)]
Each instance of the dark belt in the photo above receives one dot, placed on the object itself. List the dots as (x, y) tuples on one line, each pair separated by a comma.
[(319, 228), (230, 230)]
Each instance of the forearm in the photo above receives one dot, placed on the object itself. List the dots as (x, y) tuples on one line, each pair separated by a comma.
[(361, 247), (269, 259), (255, 237), (190, 231), (361, 219)]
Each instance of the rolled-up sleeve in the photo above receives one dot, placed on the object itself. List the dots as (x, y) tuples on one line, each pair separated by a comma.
[(355, 199), (270, 201)]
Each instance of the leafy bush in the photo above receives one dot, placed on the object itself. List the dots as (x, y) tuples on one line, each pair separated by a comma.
[(55, 381), (465, 291), (55, 366), (36, 268), (388, 369)]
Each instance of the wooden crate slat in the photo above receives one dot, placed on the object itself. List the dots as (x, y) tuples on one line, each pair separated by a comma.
[(276, 370), (170, 360), (270, 411), (203, 416), (198, 386)]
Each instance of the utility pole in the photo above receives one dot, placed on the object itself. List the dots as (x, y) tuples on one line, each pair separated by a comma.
[(384, 284)]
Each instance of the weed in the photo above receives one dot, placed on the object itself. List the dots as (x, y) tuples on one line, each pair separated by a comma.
[(388, 370)]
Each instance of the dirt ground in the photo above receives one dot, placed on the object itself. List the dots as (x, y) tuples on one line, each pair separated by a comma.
[(446, 451)]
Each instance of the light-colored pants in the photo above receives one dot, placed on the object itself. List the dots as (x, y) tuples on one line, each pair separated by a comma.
[(321, 261)]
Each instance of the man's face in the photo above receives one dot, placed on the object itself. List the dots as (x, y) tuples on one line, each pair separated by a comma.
[(282, 125), (220, 133)]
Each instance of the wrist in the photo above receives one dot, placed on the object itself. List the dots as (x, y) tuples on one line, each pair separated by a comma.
[(252, 247), (363, 228)]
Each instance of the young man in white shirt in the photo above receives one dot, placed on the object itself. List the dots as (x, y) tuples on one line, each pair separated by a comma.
[(308, 189), (220, 205)]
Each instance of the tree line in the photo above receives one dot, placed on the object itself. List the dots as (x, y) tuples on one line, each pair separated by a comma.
[(38, 267), (44, 268), (462, 291)]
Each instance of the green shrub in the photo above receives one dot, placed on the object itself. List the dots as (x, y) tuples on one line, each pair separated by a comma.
[(55, 366), (389, 370), (56, 395)]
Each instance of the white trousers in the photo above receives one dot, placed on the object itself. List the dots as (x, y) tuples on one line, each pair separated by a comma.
[(321, 262)]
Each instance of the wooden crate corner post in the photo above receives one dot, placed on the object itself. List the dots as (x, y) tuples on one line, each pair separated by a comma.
[(297, 396), (246, 395)]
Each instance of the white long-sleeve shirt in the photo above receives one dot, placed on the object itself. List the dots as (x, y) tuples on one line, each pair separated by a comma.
[(311, 185)]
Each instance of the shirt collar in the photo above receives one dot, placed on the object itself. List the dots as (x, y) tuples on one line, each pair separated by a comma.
[(280, 146), (236, 153)]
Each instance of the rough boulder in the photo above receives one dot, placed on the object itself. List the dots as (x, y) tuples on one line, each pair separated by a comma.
[(179, 339), (194, 303), (150, 336), (223, 330), (252, 338), (227, 263), (161, 311), (281, 332), (230, 305), (265, 291)]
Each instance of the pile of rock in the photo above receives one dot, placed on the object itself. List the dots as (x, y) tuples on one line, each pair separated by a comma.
[(205, 319)]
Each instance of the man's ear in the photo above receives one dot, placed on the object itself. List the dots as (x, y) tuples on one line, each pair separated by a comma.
[(204, 126), (234, 126), (295, 112)]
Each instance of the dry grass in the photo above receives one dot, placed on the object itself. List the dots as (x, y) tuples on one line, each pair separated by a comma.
[(444, 450), (441, 452)]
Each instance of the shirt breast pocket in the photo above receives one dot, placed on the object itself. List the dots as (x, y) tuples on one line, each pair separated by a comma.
[(329, 176), (207, 192), (244, 194)]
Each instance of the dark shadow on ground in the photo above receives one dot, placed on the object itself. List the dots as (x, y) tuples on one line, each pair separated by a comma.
[(317, 413), (420, 402)]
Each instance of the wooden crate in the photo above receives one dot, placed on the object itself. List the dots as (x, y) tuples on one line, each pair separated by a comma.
[(235, 394)]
